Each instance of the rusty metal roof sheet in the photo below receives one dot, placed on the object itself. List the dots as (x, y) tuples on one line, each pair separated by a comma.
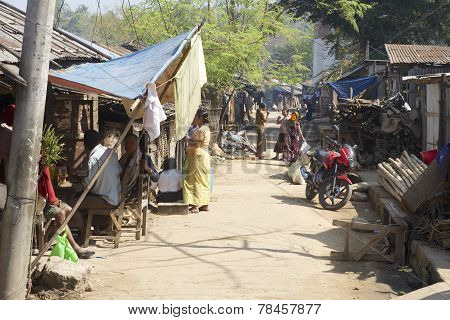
[(12, 22), (418, 54)]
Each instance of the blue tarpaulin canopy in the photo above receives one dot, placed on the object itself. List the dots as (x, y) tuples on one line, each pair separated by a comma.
[(122, 77), (358, 85)]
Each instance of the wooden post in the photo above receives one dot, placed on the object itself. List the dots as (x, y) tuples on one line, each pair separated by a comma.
[(442, 124), (94, 112)]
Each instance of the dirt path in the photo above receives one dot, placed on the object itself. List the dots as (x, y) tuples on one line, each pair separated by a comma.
[(260, 241)]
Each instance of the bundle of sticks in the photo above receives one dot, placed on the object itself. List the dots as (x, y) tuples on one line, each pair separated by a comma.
[(398, 175), (434, 230)]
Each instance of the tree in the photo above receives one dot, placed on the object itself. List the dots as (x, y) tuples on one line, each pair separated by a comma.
[(339, 14), (379, 21), (291, 55), (235, 34)]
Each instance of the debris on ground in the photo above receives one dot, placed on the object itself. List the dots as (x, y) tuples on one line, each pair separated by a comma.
[(236, 143), (381, 129)]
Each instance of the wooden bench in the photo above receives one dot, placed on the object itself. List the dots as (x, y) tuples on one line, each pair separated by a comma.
[(116, 227), (381, 233)]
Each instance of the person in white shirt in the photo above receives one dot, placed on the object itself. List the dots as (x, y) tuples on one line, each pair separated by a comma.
[(105, 193), (106, 190), (169, 183), (107, 187)]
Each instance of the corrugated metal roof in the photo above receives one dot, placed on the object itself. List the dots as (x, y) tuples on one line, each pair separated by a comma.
[(12, 22), (417, 54)]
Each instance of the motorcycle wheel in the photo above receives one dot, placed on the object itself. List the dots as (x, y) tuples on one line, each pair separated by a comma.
[(310, 192), (329, 199)]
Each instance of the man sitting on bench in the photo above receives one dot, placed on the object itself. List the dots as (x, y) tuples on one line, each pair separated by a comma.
[(105, 193), (169, 183)]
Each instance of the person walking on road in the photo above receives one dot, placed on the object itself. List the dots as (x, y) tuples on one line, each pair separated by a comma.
[(197, 168), (281, 141), (294, 139), (261, 118)]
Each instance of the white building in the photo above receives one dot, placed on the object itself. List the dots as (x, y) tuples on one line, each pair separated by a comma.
[(323, 57)]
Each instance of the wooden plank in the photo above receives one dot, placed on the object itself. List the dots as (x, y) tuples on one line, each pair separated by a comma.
[(369, 245), (400, 247), (395, 212), (340, 256), (358, 226), (348, 238)]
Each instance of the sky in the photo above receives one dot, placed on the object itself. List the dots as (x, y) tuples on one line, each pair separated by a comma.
[(92, 4)]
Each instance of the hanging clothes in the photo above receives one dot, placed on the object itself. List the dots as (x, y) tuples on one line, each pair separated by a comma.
[(153, 112)]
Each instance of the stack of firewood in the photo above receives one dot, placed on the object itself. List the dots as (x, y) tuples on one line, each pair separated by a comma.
[(398, 175), (361, 121)]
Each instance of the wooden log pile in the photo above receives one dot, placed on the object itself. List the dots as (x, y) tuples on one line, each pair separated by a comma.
[(360, 122), (398, 175)]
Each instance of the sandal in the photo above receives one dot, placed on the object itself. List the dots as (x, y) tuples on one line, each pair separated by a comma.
[(194, 210), (204, 208), (85, 254)]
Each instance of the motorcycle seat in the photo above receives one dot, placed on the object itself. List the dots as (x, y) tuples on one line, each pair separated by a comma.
[(321, 155)]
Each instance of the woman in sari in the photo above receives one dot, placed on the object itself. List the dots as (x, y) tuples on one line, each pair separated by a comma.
[(197, 168), (279, 146), (261, 118), (293, 139)]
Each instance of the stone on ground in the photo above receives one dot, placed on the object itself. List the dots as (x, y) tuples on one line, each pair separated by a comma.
[(62, 274)]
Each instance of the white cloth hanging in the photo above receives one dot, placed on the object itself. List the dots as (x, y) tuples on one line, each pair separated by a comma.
[(153, 112)]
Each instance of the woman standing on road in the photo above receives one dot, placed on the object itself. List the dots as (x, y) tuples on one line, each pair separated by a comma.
[(279, 147), (294, 139), (260, 122), (197, 168)]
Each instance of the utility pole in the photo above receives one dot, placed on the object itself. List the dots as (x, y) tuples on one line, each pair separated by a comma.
[(17, 224)]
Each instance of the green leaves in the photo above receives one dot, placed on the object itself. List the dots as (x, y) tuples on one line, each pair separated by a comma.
[(53, 147), (291, 55)]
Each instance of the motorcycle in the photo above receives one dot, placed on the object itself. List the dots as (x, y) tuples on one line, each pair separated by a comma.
[(327, 176)]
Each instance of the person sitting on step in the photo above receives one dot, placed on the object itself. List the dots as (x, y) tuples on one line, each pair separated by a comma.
[(169, 183)]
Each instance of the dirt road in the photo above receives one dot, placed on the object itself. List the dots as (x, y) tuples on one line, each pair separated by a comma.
[(260, 240)]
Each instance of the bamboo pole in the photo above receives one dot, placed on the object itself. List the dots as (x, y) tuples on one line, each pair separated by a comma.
[(389, 188), (422, 165), (410, 173), (386, 175), (394, 173), (413, 165), (402, 173)]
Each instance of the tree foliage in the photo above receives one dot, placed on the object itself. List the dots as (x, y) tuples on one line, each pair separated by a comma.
[(291, 55), (379, 21)]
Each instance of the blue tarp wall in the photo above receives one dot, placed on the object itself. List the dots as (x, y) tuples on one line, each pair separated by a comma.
[(342, 87)]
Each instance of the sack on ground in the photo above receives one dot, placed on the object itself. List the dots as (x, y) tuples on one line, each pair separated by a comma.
[(294, 173), (63, 249)]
